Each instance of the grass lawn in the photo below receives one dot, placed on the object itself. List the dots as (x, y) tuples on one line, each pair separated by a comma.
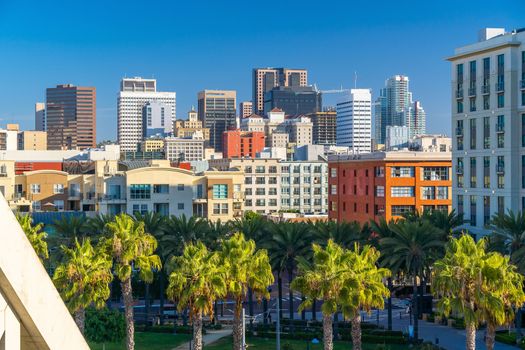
[(269, 344), (147, 341)]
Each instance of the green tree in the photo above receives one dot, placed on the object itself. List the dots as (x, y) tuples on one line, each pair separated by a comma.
[(324, 279), (68, 228), (363, 289), (245, 267), (196, 281), (346, 234), (509, 236), (412, 249), (466, 279), (446, 222), (83, 279), (131, 248), (35, 235)]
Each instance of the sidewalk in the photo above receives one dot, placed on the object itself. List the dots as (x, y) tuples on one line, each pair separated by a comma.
[(210, 337)]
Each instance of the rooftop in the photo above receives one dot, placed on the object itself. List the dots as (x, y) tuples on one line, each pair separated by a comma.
[(393, 156)]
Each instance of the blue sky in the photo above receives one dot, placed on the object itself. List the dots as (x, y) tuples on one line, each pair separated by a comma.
[(192, 45)]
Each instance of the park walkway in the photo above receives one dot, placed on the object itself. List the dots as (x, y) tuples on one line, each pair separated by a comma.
[(210, 337)]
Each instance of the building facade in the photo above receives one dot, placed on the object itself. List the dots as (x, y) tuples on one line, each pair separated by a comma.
[(265, 79), (396, 137), (245, 109), (293, 100), (187, 128), (354, 121), (239, 144), (156, 119), (70, 117), (216, 109), (184, 149), (32, 140), (488, 120), (388, 184), (133, 95), (324, 127), (40, 116)]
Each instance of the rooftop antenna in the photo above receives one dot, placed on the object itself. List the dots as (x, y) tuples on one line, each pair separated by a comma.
[(355, 80)]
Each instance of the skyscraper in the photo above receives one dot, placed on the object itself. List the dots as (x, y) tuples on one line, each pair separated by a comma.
[(70, 116), (265, 79), (354, 121), (324, 127), (40, 116), (488, 121), (134, 94), (216, 109), (156, 119), (293, 100), (245, 109), (395, 107)]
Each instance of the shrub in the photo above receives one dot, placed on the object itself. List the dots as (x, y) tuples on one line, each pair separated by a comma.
[(104, 325), (506, 338)]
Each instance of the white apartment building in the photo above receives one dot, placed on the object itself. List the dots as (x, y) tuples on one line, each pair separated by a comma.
[(354, 121), (396, 137), (185, 149), (134, 94), (488, 120), (272, 185)]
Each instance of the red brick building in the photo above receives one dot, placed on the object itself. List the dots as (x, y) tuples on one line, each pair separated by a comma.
[(388, 184), (238, 144)]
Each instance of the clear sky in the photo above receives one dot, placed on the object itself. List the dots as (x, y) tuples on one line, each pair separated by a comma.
[(193, 45)]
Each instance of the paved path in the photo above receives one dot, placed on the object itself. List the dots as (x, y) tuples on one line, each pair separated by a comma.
[(210, 337)]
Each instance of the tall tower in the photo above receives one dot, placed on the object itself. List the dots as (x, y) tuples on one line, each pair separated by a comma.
[(133, 96), (265, 79), (70, 116), (354, 121), (40, 116), (216, 109)]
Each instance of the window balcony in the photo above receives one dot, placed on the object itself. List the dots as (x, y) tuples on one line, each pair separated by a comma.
[(500, 169), (500, 128), (459, 93), (500, 87), (485, 89), (459, 131), (472, 92)]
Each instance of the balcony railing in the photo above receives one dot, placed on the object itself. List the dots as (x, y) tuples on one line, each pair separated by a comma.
[(485, 89), (459, 131), (472, 91), (500, 87), (459, 93), (500, 128), (500, 169)]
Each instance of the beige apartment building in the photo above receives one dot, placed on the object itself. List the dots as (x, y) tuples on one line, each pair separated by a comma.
[(30, 140), (152, 145), (187, 128)]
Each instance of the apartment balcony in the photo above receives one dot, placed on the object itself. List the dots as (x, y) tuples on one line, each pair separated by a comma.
[(500, 87), (522, 84), (200, 200), (500, 128), (459, 131), (500, 169), (459, 170), (459, 93), (74, 196), (472, 92), (485, 89), (112, 198)]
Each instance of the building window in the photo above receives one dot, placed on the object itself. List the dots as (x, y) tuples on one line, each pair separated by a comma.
[(248, 191), (260, 180), (473, 177), (460, 206), (500, 129), (286, 169), (248, 169), (333, 172), (435, 173), (220, 191), (272, 191), (285, 180), (224, 208), (486, 210), (37, 205), (486, 172), (473, 133), (501, 205), (486, 132), (163, 208), (380, 171), (180, 187), (501, 181), (399, 210), (380, 191), (237, 188), (272, 169), (442, 192), (58, 188), (217, 208), (459, 106), (333, 189), (260, 202), (428, 192), (248, 180), (472, 104), (473, 210), (259, 169), (260, 191), (248, 203), (399, 191), (501, 100), (272, 180), (273, 202), (402, 171), (140, 191), (486, 102), (161, 188)]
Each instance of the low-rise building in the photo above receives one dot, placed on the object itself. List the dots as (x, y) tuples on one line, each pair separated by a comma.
[(388, 184), (152, 145), (238, 144), (431, 143), (184, 149), (29, 140), (187, 128)]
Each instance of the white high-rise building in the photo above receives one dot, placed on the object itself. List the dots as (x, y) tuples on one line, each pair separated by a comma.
[(40, 116), (354, 121), (134, 94), (488, 122)]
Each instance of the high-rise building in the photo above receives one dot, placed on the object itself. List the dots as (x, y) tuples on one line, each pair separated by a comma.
[(216, 110), (156, 119), (134, 94), (40, 116), (293, 100), (71, 116), (265, 79), (396, 137), (245, 109), (324, 127), (488, 120), (394, 106), (239, 144), (354, 121)]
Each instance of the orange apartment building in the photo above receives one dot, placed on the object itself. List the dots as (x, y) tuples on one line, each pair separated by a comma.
[(239, 144), (387, 184)]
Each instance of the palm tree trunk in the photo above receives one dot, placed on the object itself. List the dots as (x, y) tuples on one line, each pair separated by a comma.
[(303, 311), (197, 331), (314, 309), (356, 331), (146, 306), (328, 336), (80, 319), (250, 306), (128, 307), (280, 298), (290, 293), (415, 310), (237, 326), (390, 303), (161, 298), (471, 336), (265, 311), (490, 338)]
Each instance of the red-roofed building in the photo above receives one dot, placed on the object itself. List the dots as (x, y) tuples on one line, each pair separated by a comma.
[(238, 144)]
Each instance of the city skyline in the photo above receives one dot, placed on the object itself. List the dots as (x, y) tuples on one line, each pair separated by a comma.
[(180, 59)]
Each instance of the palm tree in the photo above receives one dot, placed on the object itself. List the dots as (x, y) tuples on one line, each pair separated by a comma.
[(245, 267), (467, 280), (96, 226), (35, 235), (324, 279), (68, 228), (446, 222), (196, 281), (289, 241), (180, 230), (83, 279), (131, 248), (343, 233), (412, 249), (364, 288), (509, 234)]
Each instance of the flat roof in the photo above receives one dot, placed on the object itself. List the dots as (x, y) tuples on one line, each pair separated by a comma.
[(394, 156)]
